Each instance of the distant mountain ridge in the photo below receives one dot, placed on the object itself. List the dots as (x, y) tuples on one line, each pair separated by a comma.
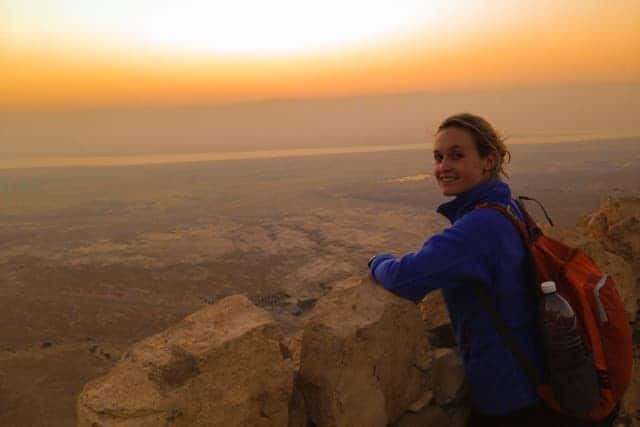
[(536, 114)]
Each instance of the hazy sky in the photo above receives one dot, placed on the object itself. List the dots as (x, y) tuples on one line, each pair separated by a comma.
[(87, 53)]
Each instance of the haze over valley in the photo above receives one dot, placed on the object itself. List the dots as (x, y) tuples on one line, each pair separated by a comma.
[(536, 114), (93, 259)]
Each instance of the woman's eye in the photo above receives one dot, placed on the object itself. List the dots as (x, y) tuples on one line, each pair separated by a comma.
[(456, 156), (437, 157)]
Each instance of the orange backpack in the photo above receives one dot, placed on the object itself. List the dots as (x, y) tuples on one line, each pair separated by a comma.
[(596, 302)]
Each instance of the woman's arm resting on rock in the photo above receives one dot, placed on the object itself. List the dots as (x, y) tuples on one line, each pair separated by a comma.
[(451, 258)]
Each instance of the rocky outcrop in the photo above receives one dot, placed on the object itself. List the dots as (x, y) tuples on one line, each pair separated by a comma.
[(364, 356), (616, 224), (362, 353), (443, 402), (616, 266), (225, 365), (362, 359), (447, 375), (611, 236), (434, 310)]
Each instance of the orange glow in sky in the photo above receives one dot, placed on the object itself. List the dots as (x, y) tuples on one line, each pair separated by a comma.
[(73, 53)]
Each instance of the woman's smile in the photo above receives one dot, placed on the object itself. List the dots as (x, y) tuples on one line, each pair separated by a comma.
[(458, 166), (447, 178)]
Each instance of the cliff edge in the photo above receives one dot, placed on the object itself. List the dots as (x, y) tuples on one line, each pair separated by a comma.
[(364, 356)]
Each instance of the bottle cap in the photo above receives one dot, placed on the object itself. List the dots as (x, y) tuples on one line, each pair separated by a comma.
[(548, 287)]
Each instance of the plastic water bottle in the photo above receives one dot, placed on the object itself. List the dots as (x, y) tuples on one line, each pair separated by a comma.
[(562, 331), (572, 373)]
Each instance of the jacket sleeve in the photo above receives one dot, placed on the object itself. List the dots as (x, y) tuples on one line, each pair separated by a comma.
[(456, 256)]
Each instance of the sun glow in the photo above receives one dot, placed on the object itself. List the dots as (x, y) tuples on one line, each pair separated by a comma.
[(224, 28), (248, 27), (148, 52)]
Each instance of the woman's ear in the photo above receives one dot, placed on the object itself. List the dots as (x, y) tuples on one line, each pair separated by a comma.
[(490, 162)]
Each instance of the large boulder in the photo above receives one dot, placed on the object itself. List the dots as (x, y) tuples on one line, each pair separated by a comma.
[(617, 225), (430, 415), (447, 376), (362, 353), (434, 310), (444, 403), (614, 209), (225, 365)]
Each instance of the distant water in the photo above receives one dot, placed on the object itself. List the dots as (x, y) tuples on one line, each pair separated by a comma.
[(196, 157), (147, 159), (410, 178)]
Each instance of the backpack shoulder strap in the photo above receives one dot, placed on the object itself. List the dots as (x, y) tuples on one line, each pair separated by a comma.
[(506, 334), (508, 212), (481, 290), (528, 217)]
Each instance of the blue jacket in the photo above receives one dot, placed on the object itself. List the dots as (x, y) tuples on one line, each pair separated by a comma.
[(480, 244)]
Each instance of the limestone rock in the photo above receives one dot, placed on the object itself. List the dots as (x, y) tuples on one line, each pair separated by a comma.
[(617, 225), (419, 404), (597, 225), (447, 375), (459, 415), (294, 346), (221, 366), (436, 317), (349, 282), (624, 239), (359, 354), (432, 416), (434, 310), (297, 407), (620, 208)]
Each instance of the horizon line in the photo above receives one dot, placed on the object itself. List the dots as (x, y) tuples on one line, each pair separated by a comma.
[(205, 157), (162, 106)]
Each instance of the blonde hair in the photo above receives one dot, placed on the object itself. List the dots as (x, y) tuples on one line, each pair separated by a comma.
[(486, 138)]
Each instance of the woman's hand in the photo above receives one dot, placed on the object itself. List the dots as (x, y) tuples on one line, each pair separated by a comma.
[(370, 261)]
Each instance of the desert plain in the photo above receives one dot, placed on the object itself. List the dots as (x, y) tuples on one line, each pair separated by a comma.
[(93, 259)]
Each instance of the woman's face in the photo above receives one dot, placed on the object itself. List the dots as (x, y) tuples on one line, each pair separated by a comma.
[(457, 165)]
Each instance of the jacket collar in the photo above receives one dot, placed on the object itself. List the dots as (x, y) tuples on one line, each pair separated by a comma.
[(492, 191)]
